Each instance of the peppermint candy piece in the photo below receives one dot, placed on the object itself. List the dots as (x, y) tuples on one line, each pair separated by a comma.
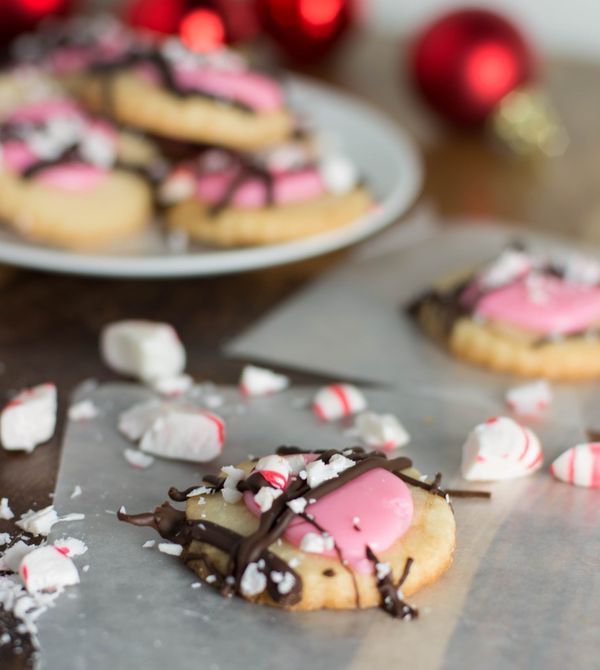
[(257, 381), (508, 267), (29, 419), (337, 401), (136, 420), (381, 431), (339, 174), (529, 399), (500, 449), (147, 350), (179, 185), (185, 433), (47, 569), (579, 465), (275, 469)]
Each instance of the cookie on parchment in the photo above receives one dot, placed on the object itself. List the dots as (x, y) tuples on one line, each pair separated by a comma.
[(522, 313), (291, 191), (68, 179), (310, 530)]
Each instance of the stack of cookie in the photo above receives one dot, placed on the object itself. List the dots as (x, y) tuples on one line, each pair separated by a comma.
[(129, 122)]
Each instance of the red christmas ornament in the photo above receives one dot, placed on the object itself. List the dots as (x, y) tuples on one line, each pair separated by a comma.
[(305, 29), (467, 62)]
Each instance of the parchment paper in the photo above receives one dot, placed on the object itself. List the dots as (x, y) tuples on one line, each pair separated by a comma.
[(522, 591)]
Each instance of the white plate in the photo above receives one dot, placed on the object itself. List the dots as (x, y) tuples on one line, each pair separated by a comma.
[(387, 158)]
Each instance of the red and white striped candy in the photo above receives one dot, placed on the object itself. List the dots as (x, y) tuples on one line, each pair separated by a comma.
[(529, 399), (579, 465), (337, 401), (275, 469), (500, 449), (47, 569), (185, 433)]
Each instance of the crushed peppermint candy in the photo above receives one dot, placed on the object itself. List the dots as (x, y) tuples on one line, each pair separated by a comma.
[(136, 420), (317, 543), (509, 266), (336, 401), (47, 569), (170, 548), (148, 544), (257, 381), (275, 469), (84, 410), (29, 419), (40, 522), (318, 471), (12, 557), (200, 491), (297, 505), (253, 580), (4, 539), (173, 386), (285, 581), (138, 459), (530, 399), (5, 510), (265, 497), (71, 546), (233, 477), (382, 570), (381, 431)]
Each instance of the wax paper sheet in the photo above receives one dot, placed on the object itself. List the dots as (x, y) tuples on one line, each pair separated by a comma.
[(522, 590)]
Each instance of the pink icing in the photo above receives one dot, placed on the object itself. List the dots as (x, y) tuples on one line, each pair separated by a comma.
[(77, 176), (288, 187), (249, 88), (381, 504), (72, 177), (564, 308)]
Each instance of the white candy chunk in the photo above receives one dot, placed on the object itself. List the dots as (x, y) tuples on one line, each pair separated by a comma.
[(71, 546), (77, 491), (297, 505), (382, 570), (29, 419), (265, 497), (318, 472), (5, 510), (233, 477), (170, 548), (148, 544), (179, 185), (509, 266), (144, 349), (500, 449), (185, 433), (285, 581), (40, 522), (173, 386), (136, 420), (83, 411), (257, 381), (4, 539), (11, 558), (98, 149), (316, 543), (200, 491), (138, 459), (529, 399), (337, 401), (381, 431), (47, 569), (253, 580), (579, 465), (296, 463), (339, 174), (275, 469), (580, 269)]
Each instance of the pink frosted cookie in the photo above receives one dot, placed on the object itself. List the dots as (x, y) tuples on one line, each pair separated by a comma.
[(523, 313), (290, 191), (65, 178), (309, 530)]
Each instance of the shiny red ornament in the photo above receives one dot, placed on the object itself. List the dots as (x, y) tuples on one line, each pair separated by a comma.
[(202, 30), (305, 29), (468, 61)]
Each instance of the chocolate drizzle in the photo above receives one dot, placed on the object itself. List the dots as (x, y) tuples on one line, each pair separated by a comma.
[(253, 549)]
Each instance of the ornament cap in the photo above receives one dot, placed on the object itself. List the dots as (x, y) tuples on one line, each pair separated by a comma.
[(527, 122)]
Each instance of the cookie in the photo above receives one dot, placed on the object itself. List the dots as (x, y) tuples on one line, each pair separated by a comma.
[(311, 530), (522, 313), (68, 179), (167, 90), (286, 193)]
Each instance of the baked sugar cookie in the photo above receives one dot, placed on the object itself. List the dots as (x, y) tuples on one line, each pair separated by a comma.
[(68, 179), (310, 530), (291, 191), (522, 313)]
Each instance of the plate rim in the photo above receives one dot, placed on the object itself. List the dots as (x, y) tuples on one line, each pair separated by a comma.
[(231, 261)]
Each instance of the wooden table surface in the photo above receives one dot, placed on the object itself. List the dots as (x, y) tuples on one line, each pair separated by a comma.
[(49, 324)]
